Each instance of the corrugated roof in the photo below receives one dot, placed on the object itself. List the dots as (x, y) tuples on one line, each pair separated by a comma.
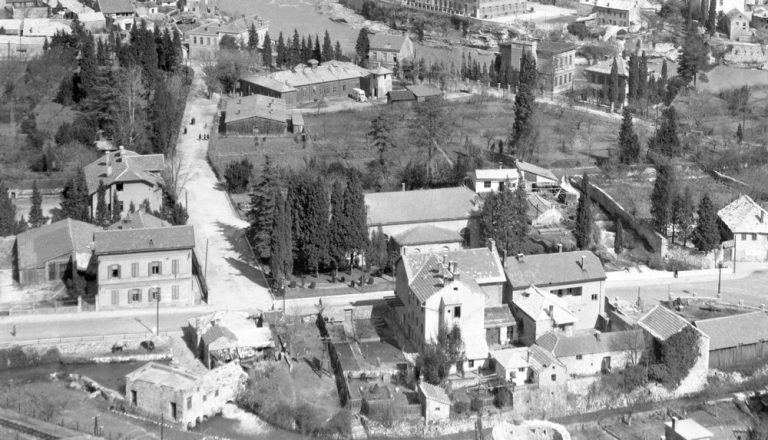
[(427, 234), (536, 303), (115, 6), (40, 245), (567, 346), (139, 220), (541, 359), (498, 316), (744, 215), (126, 166), (255, 106), (433, 392), (420, 206), (662, 323), (144, 240), (553, 269), (303, 75), (735, 330), (424, 90), (217, 332)]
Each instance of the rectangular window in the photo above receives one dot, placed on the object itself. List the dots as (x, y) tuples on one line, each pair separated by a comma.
[(754, 237), (154, 294), (189, 403), (155, 268), (217, 392), (134, 295), (205, 397), (594, 297), (51, 271), (471, 364), (575, 291), (486, 184), (175, 267), (114, 271), (175, 292), (457, 312), (134, 270), (578, 357), (510, 332), (115, 297), (554, 378), (119, 187)]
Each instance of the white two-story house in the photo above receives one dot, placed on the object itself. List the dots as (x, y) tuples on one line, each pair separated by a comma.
[(130, 176), (747, 222), (137, 268)]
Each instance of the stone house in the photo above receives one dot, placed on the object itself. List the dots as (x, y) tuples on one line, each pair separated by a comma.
[(52, 253), (737, 26), (526, 366), (576, 278), (204, 40), (138, 268), (378, 84), (181, 396), (595, 353), (397, 212), (130, 176), (747, 223), (390, 51), (599, 78), (537, 312), (118, 13), (434, 401)]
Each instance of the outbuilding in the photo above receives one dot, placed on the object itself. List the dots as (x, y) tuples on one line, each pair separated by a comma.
[(435, 404)]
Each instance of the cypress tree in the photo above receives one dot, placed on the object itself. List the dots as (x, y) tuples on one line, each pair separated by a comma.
[(295, 51), (262, 212), (281, 243), (309, 212), (171, 61), (634, 77), (376, 254), (362, 46), (36, 218), (282, 55), (703, 7), (355, 213), (253, 38), (337, 233), (739, 133), (337, 55), (116, 211), (177, 52), (102, 214), (618, 241), (327, 53), (317, 52), (519, 219), (7, 212), (585, 223), (21, 225), (497, 218), (613, 85), (693, 57), (525, 103), (712, 18), (74, 199), (666, 141), (682, 212), (87, 73), (706, 236), (642, 84), (266, 51), (629, 144), (662, 196)]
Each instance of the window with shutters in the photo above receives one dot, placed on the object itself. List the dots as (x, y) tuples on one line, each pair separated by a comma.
[(115, 297), (155, 268), (134, 295), (175, 292), (154, 293), (135, 270), (114, 271), (175, 267)]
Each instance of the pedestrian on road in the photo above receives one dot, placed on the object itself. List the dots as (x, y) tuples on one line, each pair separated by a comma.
[(199, 136), (13, 331)]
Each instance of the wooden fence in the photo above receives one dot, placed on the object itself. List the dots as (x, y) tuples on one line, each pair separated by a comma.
[(739, 355)]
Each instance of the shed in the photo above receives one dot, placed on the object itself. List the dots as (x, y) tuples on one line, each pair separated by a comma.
[(255, 114), (425, 92), (686, 429), (394, 96), (736, 339), (435, 403)]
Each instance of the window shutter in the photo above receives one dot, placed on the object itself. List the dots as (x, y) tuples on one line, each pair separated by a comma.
[(175, 267), (130, 296), (159, 267), (149, 269), (135, 270)]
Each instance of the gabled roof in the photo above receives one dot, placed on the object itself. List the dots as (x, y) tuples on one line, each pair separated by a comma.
[(303, 75), (604, 67), (623, 5), (537, 303), (255, 106), (424, 90), (401, 95), (62, 238), (164, 375), (541, 359), (115, 6), (553, 269), (429, 281), (553, 47), (427, 234), (380, 70), (208, 29), (744, 215), (123, 241), (243, 24), (567, 346), (268, 83), (124, 166), (735, 330), (512, 358), (498, 316), (536, 170), (689, 429), (139, 220), (735, 13), (537, 204), (500, 174), (434, 392), (383, 42), (662, 323), (420, 206)]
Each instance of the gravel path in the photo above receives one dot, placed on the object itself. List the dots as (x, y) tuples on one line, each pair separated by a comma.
[(233, 282)]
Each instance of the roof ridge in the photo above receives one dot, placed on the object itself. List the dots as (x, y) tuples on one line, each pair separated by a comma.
[(147, 229)]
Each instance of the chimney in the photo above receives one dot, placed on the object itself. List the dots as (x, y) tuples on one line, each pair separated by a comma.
[(551, 310), (520, 257), (491, 243), (559, 248), (313, 64), (583, 259), (403, 186), (674, 423), (503, 257), (597, 336)]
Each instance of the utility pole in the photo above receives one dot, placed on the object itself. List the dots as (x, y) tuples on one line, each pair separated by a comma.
[(719, 277), (157, 296), (205, 271)]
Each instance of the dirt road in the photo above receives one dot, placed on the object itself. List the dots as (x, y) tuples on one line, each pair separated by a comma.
[(233, 282)]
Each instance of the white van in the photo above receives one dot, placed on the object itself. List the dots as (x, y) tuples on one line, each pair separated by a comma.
[(358, 95)]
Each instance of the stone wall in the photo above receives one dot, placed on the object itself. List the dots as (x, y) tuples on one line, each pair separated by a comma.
[(746, 53)]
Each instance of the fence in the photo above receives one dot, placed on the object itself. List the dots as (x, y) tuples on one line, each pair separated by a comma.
[(70, 305), (79, 339)]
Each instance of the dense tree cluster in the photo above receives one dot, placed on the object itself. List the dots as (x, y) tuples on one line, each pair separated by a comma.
[(300, 49), (524, 136), (504, 218)]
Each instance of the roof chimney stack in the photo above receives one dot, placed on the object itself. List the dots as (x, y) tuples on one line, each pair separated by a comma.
[(491, 243), (403, 185), (583, 260), (551, 310), (520, 257)]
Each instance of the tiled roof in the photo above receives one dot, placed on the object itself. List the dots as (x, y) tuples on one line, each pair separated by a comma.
[(217, 332), (401, 95), (481, 265), (537, 204), (433, 392), (115, 6), (567, 346), (164, 375), (526, 167), (512, 358), (380, 70), (536, 304), (744, 215), (303, 75), (427, 234), (268, 83), (144, 240), (623, 5), (207, 29), (541, 359), (735, 13), (256, 106), (383, 42), (553, 269), (243, 24), (605, 67), (424, 90), (40, 245), (662, 323), (498, 316), (138, 220), (126, 166), (420, 206), (553, 47), (429, 281), (735, 330)]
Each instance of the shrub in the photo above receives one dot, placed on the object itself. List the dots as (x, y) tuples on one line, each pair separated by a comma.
[(476, 404), (460, 407), (579, 29), (503, 397), (238, 175), (656, 263), (679, 354), (635, 376)]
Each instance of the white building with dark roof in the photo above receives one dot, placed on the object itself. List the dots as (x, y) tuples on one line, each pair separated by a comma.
[(224, 336), (390, 50), (748, 223), (595, 353), (118, 13), (538, 312)]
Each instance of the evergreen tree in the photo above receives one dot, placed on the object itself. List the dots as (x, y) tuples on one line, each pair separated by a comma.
[(337, 232), (282, 55), (36, 218), (355, 214), (262, 213), (362, 46), (706, 236), (693, 57), (634, 77), (159, 48), (682, 213), (306, 50), (618, 241), (642, 84), (266, 52), (317, 52), (116, 211), (712, 18), (327, 52), (86, 77), (739, 133), (337, 55), (7, 212), (504, 219), (21, 225), (253, 38), (101, 53), (664, 190), (519, 219), (613, 84), (585, 222), (102, 213), (171, 61), (703, 8), (162, 112), (525, 107), (381, 135), (295, 50), (629, 144), (280, 240), (177, 50), (74, 200), (309, 211), (430, 127), (666, 141), (376, 254)]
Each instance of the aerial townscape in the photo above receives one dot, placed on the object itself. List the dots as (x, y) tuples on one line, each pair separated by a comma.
[(384, 219)]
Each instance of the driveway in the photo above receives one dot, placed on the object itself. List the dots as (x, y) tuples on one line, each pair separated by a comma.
[(233, 282)]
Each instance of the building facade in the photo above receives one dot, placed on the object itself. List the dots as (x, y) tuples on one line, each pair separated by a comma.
[(538, 312), (118, 13), (599, 80), (747, 223), (737, 26), (204, 40), (139, 268), (390, 51), (482, 9), (554, 62), (254, 115), (595, 353)]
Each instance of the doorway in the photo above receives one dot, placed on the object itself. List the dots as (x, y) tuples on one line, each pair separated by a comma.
[(134, 397), (173, 410)]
